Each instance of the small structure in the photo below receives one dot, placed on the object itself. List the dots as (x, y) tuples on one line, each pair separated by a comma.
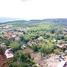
[(61, 45), (38, 65), (65, 51), (65, 30), (9, 53), (23, 47), (29, 44), (17, 38), (65, 65), (39, 38), (61, 64), (13, 35), (9, 37), (3, 45), (54, 40), (33, 42)]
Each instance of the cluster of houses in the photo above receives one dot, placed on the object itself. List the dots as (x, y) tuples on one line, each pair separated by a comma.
[(31, 43), (13, 34), (63, 56), (62, 45), (4, 26), (65, 30), (63, 62), (16, 35), (35, 42)]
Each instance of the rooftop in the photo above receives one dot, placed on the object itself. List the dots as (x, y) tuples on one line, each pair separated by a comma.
[(9, 53)]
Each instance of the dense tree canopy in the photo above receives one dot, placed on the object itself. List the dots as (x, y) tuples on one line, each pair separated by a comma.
[(21, 60)]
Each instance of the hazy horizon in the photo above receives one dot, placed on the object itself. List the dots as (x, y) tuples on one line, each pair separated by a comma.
[(7, 19)]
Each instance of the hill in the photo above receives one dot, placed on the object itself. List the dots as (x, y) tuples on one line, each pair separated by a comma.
[(45, 23)]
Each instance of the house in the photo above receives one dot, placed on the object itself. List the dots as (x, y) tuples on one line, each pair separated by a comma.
[(23, 47), (33, 42), (9, 54), (25, 29), (38, 65), (29, 44), (39, 38), (9, 37), (54, 40), (17, 38), (65, 30), (2, 27), (65, 65), (65, 51), (3, 45), (13, 35), (9, 31), (61, 45), (61, 64)]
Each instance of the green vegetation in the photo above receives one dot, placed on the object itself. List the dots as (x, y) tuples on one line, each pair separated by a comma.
[(41, 37), (47, 48), (58, 51), (21, 60), (35, 47), (15, 46)]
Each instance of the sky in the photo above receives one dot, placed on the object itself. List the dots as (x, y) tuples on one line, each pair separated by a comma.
[(33, 9)]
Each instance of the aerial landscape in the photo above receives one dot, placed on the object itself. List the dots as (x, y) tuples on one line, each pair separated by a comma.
[(33, 33), (33, 43)]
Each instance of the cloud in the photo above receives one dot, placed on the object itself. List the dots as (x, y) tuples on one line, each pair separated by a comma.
[(33, 9)]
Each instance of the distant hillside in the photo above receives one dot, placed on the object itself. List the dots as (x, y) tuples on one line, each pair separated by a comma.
[(45, 20), (3, 19), (51, 20), (56, 20), (30, 23)]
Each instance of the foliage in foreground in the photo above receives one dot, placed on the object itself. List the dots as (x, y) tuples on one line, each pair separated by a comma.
[(21, 60)]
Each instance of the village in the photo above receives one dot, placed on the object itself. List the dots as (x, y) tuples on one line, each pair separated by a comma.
[(25, 40)]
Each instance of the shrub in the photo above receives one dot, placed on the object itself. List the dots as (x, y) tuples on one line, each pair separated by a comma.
[(58, 51)]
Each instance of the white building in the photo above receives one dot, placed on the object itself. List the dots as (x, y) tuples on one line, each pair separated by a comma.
[(61, 64), (9, 53)]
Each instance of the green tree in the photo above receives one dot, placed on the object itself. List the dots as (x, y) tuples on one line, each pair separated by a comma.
[(47, 48), (21, 60), (35, 47), (15, 46), (58, 51)]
